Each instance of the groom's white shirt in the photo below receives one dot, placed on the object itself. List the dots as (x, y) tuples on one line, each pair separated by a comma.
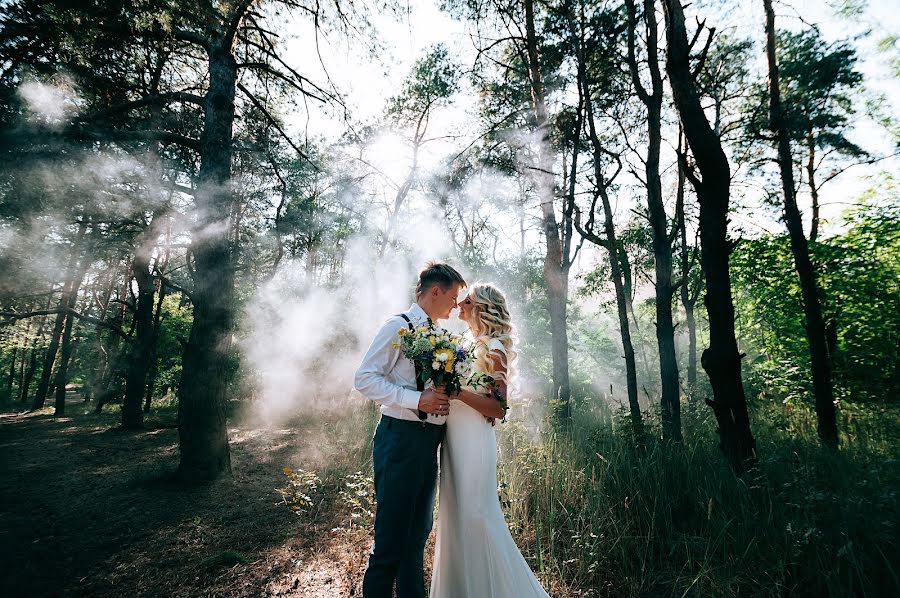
[(388, 378)]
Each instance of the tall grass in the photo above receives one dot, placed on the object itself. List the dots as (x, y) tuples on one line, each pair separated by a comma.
[(602, 515), (598, 513)]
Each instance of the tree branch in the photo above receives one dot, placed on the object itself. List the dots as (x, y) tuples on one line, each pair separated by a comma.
[(234, 22), (163, 98), (274, 123), (127, 135), (12, 317), (296, 84), (156, 34)]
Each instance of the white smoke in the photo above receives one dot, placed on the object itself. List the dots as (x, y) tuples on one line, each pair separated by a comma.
[(304, 342), (50, 104)]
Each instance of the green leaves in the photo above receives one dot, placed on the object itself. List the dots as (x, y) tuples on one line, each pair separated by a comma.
[(860, 282), (434, 77)]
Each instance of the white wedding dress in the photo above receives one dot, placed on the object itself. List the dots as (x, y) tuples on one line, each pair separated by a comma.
[(475, 555)]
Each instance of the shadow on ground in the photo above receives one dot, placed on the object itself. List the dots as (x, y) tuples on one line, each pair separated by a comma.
[(87, 510)]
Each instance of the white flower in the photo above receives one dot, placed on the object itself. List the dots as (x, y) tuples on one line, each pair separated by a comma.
[(462, 369), (441, 357), (435, 365)]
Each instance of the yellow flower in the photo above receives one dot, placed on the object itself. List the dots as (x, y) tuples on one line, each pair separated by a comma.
[(433, 340), (446, 357), (287, 471), (402, 332), (422, 329)]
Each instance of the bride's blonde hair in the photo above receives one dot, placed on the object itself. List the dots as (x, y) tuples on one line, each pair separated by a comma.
[(491, 319)]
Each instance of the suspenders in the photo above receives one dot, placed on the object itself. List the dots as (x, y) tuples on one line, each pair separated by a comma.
[(420, 385)]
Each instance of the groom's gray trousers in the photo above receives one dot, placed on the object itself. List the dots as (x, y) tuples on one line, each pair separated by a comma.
[(404, 454)]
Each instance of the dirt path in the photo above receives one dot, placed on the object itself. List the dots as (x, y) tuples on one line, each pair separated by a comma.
[(86, 510)]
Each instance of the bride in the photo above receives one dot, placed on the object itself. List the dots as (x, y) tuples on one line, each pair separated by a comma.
[(475, 555)]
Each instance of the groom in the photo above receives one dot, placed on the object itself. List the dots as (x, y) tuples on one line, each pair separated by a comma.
[(405, 447)]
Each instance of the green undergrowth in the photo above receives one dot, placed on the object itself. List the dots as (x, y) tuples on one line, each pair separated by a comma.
[(609, 516)]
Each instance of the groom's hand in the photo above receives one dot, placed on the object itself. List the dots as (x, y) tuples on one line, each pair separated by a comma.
[(434, 403)]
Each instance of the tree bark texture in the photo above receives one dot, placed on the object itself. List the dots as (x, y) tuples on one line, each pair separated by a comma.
[(28, 375), (139, 357), (659, 221), (12, 371), (721, 360), (161, 289), (43, 388), (66, 347), (688, 300), (203, 433), (610, 243), (812, 304), (555, 276)]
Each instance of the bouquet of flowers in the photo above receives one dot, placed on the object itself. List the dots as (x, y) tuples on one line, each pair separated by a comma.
[(438, 355)]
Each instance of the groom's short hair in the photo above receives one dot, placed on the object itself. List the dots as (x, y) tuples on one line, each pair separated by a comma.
[(438, 273)]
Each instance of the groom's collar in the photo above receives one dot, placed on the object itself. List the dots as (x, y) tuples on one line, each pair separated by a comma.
[(417, 314)]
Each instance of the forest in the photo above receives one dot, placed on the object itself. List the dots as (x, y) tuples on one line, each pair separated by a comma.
[(208, 209)]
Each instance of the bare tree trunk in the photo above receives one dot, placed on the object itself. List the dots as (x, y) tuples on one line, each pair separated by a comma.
[(203, 432), (102, 299), (33, 360), (688, 301), (406, 186), (721, 359), (62, 369), (608, 241), (555, 279), (22, 360), (12, 372), (813, 190), (161, 289), (812, 305), (29, 375), (659, 222), (66, 347), (115, 351), (43, 389), (139, 361)]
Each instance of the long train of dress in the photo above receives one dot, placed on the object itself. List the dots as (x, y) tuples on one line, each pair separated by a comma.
[(475, 555)]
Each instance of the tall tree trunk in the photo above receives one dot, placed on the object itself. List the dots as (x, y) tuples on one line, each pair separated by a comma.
[(161, 289), (813, 189), (62, 369), (608, 241), (687, 300), (66, 346), (40, 396), (142, 349), (22, 360), (102, 300), (139, 358), (659, 222), (812, 305), (29, 375), (107, 387), (721, 359), (555, 279), (203, 432), (405, 186), (12, 372), (33, 359)]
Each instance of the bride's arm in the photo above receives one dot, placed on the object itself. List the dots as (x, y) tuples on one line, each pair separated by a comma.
[(486, 406), (489, 406)]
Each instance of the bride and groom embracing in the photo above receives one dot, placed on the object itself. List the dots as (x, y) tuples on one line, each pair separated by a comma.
[(475, 555)]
